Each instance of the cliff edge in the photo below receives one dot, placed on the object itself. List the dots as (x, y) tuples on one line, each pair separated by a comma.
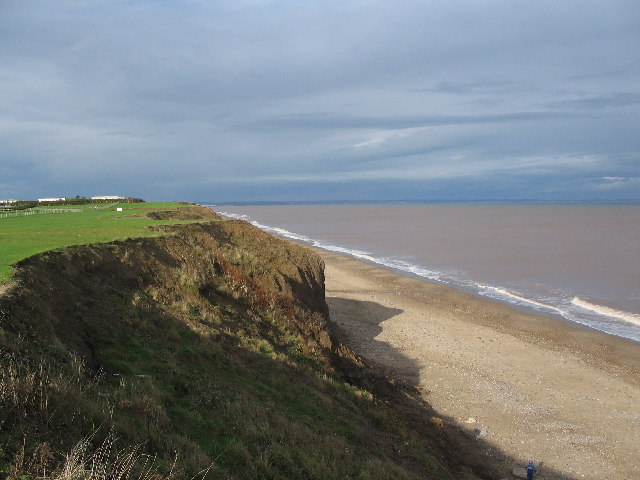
[(204, 353)]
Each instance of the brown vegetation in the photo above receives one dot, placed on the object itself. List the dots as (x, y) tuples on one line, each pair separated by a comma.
[(205, 352)]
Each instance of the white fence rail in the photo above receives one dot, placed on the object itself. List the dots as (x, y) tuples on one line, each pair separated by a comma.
[(21, 213)]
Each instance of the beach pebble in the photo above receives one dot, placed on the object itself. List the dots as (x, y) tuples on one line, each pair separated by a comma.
[(520, 473), (471, 420)]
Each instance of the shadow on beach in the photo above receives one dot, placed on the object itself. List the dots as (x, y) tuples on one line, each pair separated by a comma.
[(358, 324)]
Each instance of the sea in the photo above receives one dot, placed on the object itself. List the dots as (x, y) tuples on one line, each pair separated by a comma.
[(580, 262)]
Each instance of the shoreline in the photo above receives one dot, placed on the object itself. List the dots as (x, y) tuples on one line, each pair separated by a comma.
[(554, 320), (519, 307), (577, 311), (534, 386)]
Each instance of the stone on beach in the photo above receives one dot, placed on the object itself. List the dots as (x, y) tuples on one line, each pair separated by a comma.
[(520, 473)]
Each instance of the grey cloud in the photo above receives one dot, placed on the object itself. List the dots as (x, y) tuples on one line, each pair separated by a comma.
[(611, 100), (467, 88), (332, 121), (184, 96)]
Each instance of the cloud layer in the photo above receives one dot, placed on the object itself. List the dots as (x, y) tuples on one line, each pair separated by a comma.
[(317, 100)]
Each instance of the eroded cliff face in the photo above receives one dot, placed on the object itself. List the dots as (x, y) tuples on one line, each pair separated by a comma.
[(196, 269), (212, 343)]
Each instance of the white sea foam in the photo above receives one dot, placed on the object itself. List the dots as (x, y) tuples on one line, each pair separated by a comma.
[(237, 216), (609, 312), (574, 309), (387, 262), (519, 298)]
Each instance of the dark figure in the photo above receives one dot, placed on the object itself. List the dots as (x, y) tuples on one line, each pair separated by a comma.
[(531, 470)]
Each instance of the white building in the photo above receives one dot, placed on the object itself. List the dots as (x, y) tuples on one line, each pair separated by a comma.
[(52, 199), (7, 202), (108, 197)]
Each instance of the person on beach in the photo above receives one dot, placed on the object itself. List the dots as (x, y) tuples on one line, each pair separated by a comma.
[(531, 470)]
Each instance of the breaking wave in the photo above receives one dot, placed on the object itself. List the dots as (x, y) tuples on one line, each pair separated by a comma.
[(520, 299), (607, 311)]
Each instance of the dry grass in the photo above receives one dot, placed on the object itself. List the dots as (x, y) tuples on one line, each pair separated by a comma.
[(85, 462), (186, 364)]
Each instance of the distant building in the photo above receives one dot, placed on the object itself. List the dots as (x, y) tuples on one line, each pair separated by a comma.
[(52, 199), (7, 202), (108, 197)]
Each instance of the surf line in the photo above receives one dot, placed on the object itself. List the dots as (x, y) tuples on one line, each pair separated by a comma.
[(519, 298), (607, 311)]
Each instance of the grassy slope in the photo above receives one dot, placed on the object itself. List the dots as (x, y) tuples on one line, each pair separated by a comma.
[(209, 344), (23, 236)]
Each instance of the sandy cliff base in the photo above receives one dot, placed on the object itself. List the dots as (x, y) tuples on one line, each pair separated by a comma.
[(529, 386)]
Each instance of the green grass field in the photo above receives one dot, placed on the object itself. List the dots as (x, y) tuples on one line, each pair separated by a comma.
[(23, 236)]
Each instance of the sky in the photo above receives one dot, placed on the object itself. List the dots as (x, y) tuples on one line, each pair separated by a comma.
[(309, 100)]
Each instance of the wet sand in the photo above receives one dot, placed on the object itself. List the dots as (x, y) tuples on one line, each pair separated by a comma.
[(527, 385)]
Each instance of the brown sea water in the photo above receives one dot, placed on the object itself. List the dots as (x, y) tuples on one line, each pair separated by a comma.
[(578, 261)]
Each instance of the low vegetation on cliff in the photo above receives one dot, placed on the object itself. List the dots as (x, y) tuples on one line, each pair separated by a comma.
[(205, 352)]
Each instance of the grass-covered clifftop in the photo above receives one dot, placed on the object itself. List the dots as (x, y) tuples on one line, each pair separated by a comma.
[(35, 230), (205, 352)]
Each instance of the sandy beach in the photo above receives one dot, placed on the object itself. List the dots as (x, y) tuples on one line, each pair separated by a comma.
[(529, 386)]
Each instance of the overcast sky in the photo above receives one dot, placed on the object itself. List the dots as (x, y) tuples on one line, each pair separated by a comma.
[(215, 101)]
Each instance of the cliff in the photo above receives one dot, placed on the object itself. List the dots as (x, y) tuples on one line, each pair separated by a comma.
[(206, 352)]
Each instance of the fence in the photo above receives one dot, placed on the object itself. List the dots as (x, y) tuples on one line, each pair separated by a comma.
[(21, 213)]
